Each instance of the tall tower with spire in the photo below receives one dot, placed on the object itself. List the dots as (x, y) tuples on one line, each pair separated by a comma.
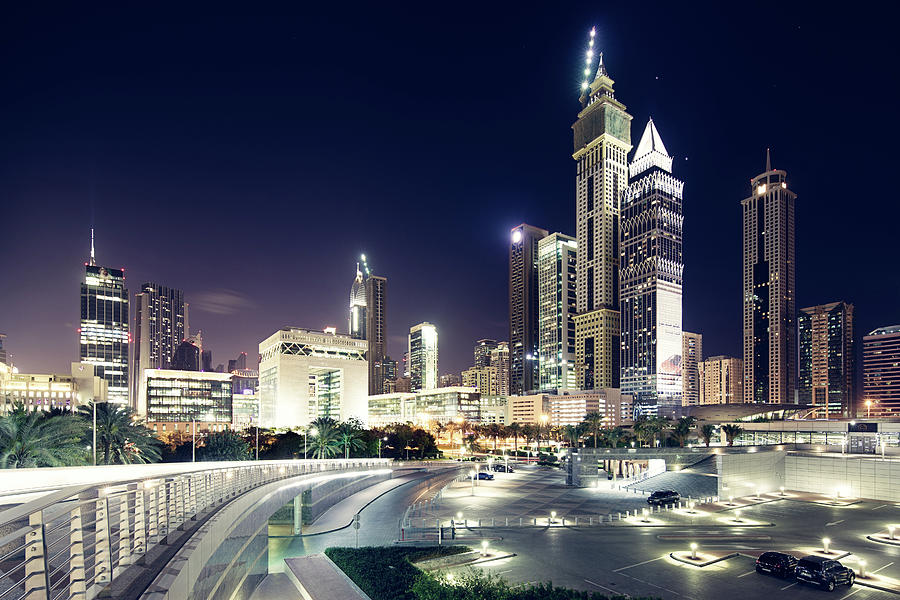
[(358, 306), (602, 140), (769, 299), (103, 335), (651, 263)]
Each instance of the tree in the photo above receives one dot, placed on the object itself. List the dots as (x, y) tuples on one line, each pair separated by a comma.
[(350, 435), (121, 438), (594, 421), (682, 429), (706, 433), (515, 429), (326, 443), (494, 431), (224, 445), (612, 436), (732, 432), (35, 439), (572, 435)]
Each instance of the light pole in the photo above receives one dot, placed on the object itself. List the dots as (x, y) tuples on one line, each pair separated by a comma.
[(472, 473), (545, 418), (94, 403), (379, 445), (868, 408), (306, 433), (193, 440)]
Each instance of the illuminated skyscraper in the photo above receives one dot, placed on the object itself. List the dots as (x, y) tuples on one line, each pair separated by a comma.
[(691, 356), (523, 308), (423, 357), (602, 140), (160, 325), (881, 374), (826, 367), (651, 271), (557, 257), (376, 330), (483, 349), (721, 380), (500, 359), (770, 309), (104, 326), (358, 307)]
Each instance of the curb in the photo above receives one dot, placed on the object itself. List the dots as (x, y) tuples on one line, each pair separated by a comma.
[(706, 564)]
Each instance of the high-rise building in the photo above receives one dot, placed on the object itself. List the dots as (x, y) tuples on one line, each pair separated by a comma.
[(770, 310), (881, 374), (237, 364), (557, 258), (602, 140), (376, 329), (245, 398), (423, 357), (357, 321), (4, 358), (186, 357), (104, 326), (206, 360), (523, 308), (483, 379), (826, 365), (389, 375), (721, 380), (691, 356), (185, 400), (160, 325), (500, 359), (651, 266), (450, 380), (483, 349)]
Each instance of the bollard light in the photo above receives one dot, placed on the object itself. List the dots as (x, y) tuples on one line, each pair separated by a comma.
[(459, 516), (890, 529), (862, 568), (730, 500), (645, 511), (450, 578), (737, 515), (782, 490), (694, 550), (691, 505), (552, 515), (484, 547), (757, 494), (825, 543)]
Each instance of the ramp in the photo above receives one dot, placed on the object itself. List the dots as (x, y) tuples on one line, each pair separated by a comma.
[(318, 578)]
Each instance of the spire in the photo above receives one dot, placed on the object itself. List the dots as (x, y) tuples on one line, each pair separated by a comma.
[(650, 152), (768, 161), (601, 69), (93, 261)]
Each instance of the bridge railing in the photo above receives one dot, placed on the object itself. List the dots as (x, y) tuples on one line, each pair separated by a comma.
[(72, 543)]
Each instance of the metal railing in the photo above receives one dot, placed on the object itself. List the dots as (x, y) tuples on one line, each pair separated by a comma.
[(72, 543)]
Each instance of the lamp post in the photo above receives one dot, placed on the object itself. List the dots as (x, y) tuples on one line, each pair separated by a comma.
[(545, 418), (94, 404), (379, 445), (193, 440), (306, 433), (472, 474)]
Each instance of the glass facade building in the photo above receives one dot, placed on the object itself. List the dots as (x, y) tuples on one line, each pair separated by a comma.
[(826, 366), (423, 357), (881, 373), (104, 333), (180, 397), (523, 308), (557, 258)]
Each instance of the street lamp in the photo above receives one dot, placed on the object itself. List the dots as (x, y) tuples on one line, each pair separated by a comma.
[(868, 408), (379, 445), (314, 431)]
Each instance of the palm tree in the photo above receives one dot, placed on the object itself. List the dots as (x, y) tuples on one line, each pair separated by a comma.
[(35, 439), (706, 433), (224, 445), (515, 429), (350, 438), (732, 432), (326, 442), (612, 436), (493, 431), (594, 420), (682, 429), (121, 438), (572, 433)]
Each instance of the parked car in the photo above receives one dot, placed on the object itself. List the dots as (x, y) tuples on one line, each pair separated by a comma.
[(484, 475), (661, 497), (824, 572), (502, 468), (777, 563)]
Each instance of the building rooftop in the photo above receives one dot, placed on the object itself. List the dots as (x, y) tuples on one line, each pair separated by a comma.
[(890, 329)]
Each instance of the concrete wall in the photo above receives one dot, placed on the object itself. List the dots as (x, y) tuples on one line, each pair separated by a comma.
[(860, 477), (743, 474)]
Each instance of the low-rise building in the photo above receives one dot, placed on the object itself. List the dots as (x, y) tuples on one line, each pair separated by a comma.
[(494, 410), (245, 399), (43, 391), (528, 409), (569, 407), (187, 400), (440, 404)]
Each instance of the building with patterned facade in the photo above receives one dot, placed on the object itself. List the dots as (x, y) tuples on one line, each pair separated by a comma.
[(769, 284), (500, 359), (651, 269), (376, 330), (602, 141), (691, 356), (185, 400), (486, 380), (45, 391), (482, 353), (423, 357), (881, 374), (523, 308), (721, 380), (441, 405), (569, 407), (826, 365), (557, 259), (358, 318)]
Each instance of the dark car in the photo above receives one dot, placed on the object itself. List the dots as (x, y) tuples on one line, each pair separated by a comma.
[(502, 468), (776, 563), (661, 497), (484, 475), (824, 572)]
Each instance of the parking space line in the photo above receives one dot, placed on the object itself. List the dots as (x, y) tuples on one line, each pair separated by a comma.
[(747, 573), (851, 593), (788, 586), (616, 592), (656, 586), (638, 564), (877, 507), (884, 567)]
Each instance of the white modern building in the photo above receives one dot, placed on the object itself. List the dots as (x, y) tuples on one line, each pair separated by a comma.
[(43, 391), (569, 407), (423, 356), (307, 374), (557, 256), (441, 405)]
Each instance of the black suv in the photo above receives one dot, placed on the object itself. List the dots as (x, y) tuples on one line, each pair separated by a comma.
[(823, 572), (776, 563), (664, 497)]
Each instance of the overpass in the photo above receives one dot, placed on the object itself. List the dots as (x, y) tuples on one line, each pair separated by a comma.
[(161, 531)]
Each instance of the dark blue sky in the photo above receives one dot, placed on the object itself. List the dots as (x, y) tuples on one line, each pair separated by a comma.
[(248, 158)]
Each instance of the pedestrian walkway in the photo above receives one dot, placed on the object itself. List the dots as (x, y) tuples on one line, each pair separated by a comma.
[(317, 577), (341, 514)]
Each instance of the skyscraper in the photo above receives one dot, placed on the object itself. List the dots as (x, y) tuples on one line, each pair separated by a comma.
[(160, 325), (423, 357), (523, 308), (826, 366), (376, 329), (104, 326), (602, 140), (4, 358), (237, 364), (651, 270), (557, 258), (357, 321), (500, 359), (483, 349), (721, 380), (691, 356), (881, 373), (770, 310)]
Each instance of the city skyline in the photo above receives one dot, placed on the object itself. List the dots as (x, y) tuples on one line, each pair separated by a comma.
[(242, 294)]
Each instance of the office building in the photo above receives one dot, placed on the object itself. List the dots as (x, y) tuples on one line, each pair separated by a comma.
[(423, 356), (528, 409), (45, 391), (523, 308), (602, 141), (376, 329), (485, 380), (304, 375), (4, 357), (494, 410), (449, 380), (160, 325), (357, 320), (206, 360), (402, 384), (500, 359), (245, 399), (691, 356), (881, 374), (237, 364), (186, 356), (557, 258), (185, 400), (721, 380), (826, 366), (770, 310), (569, 407), (442, 405), (388, 375), (651, 269), (104, 333), (483, 349)]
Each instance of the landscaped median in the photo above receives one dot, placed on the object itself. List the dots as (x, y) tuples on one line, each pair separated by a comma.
[(390, 573)]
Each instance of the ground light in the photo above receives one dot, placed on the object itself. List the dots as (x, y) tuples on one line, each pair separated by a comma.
[(552, 515), (890, 529), (484, 547), (730, 500), (757, 494), (693, 550), (646, 512), (737, 516), (825, 543), (782, 490), (862, 567)]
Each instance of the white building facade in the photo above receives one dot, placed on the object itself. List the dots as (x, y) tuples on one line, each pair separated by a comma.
[(423, 356), (557, 257)]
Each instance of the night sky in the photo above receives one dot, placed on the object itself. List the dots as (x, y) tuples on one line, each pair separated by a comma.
[(250, 158)]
